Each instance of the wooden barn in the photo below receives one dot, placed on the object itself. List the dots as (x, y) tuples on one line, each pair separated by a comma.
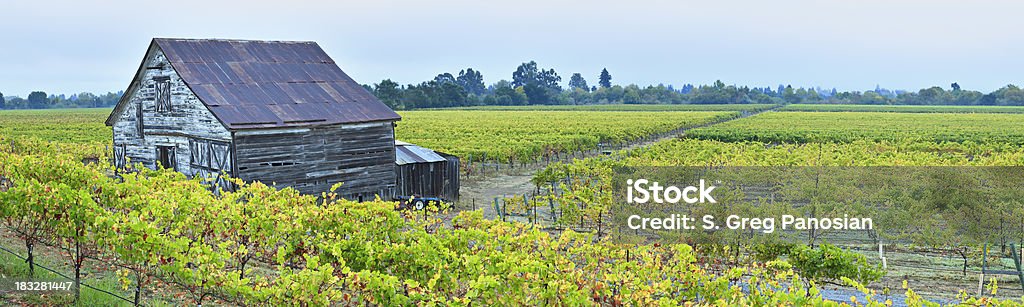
[(278, 112), (425, 173)]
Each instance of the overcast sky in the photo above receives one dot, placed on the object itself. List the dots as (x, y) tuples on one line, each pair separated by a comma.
[(75, 46)]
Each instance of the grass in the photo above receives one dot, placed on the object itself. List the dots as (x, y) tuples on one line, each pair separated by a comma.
[(12, 267)]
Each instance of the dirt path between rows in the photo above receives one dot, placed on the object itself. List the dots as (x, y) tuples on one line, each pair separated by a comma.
[(479, 192)]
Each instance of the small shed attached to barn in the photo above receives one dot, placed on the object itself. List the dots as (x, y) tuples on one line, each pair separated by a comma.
[(426, 173), (273, 111)]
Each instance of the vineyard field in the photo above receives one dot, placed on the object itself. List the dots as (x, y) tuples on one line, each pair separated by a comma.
[(803, 127), (629, 107), (522, 135), (900, 108), (257, 245), (61, 125), (691, 152), (496, 135), (261, 246)]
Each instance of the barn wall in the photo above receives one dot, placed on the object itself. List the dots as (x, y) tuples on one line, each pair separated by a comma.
[(362, 156), (429, 179), (452, 182), (188, 119)]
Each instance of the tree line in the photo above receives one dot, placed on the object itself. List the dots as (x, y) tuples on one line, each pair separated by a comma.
[(41, 100), (533, 85)]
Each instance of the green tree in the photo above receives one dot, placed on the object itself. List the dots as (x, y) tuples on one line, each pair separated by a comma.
[(539, 85), (577, 82), (812, 96), (955, 86), (444, 78), (505, 94), (3, 103), (632, 95), (472, 81), (389, 92), (790, 95), (1011, 95), (872, 97), (605, 80), (38, 100), (86, 99)]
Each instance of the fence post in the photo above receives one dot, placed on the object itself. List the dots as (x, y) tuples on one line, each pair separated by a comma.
[(497, 209), (984, 265), (1017, 264)]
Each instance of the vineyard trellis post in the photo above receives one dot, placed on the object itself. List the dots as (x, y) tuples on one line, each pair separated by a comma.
[(1019, 272)]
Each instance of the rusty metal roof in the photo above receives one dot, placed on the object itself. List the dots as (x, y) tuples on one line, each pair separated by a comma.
[(263, 84), (406, 153)]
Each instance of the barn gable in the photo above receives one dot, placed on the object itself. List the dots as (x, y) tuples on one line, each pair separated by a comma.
[(160, 112)]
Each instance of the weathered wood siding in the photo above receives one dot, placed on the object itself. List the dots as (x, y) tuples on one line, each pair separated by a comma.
[(187, 122), (361, 156), (429, 179)]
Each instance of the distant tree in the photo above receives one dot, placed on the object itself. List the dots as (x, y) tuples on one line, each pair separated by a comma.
[(389, 92), (872, 97), (577, 82), (933, 96), (450, 94), (505, 94), (632, 94), (593, 88), (86, 99), (525, 73), (605, 80), (3, 102), (1010, 95), (550, 79), (790, 95), (988, 100), (38, 100), (812, 96), (17, 103), (955, 86), (110, 99), (540, 86), (472, 81), (444, 78)]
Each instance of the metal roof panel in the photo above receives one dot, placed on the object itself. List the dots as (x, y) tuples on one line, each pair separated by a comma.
[(241, 80)]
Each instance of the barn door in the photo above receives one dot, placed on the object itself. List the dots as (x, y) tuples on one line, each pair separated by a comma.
[(210, 160), (220, 159)]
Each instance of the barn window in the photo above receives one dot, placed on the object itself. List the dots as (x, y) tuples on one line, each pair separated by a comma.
[(120, 160), (166, 157), (209, 155), (138, 120), (162, 86)]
